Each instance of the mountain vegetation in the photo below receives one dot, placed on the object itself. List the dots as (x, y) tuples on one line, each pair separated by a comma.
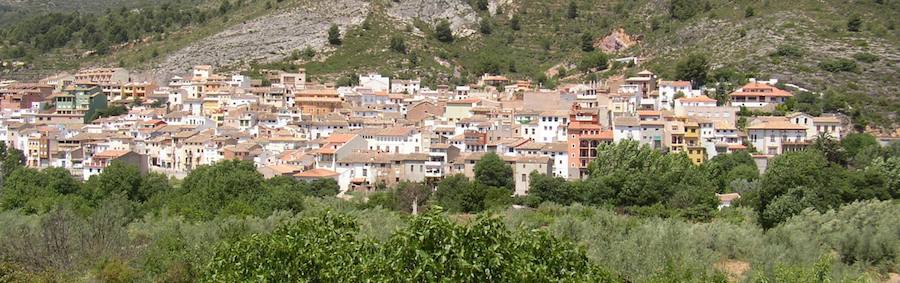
[(835, 48)]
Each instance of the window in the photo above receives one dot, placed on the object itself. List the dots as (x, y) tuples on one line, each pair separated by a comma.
[(524, 178)]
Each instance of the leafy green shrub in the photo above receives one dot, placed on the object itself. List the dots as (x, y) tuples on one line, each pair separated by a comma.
[(866, 57), (432, 248), (788, 51), (838, 65), (443, 32)]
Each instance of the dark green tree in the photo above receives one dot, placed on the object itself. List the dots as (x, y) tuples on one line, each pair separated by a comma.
[(594, 61), (720, 168), (334, 35), (572, 10), (808, 176), (587, 42), (514, 22), (491, 170), (854, 24), (693, 68), (443, 32), (12, 160), (553, 189), (854, 143), (398, 44), (485, 26), (481, 5)]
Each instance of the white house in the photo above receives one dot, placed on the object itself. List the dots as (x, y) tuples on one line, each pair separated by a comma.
[(776, 136), (375, 82), (669, 89), (401, 140), (406, 86), (626, 128), (758, 95)]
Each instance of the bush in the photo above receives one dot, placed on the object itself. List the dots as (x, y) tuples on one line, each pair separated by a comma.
[(596, 60), (431, 249), (788, 51), (334, 35), (838, 65), (398, 44), (866, 57), (443, 32)]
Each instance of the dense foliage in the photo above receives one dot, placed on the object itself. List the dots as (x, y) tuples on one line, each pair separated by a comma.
[(627, 174), (123, 226), (97, 32), (431, 249)]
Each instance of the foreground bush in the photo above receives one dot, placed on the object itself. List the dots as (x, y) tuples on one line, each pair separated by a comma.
[(432, 248)]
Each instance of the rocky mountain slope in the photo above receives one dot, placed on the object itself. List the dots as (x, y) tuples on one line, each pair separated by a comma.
[(805, 42)]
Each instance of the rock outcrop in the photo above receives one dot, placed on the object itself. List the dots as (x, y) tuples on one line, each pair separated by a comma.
[(461, 16), (616, 40), (269, 37)]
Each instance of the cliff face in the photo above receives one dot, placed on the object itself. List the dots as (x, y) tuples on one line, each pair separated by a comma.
[(273, 37), (270, 37)]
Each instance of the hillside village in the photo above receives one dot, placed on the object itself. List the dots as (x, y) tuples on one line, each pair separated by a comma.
[(384, 131)]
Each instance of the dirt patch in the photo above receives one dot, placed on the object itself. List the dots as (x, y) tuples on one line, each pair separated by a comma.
[(734, 269)]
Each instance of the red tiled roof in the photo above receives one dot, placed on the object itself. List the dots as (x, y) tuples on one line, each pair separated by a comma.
[(317, 173), (702, 98)]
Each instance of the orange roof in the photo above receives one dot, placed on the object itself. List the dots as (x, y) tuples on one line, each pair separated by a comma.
[(728, 197), (760, 89), (776, 125), (111, 154), (648, 113), (284, 168), (702, 98), (737, 146), (676, 83), (317, 173), (465, 101), (340, 138)]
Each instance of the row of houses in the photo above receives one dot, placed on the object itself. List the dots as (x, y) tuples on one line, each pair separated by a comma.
[(382, 132)]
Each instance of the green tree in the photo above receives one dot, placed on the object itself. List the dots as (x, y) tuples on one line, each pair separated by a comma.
[(587, 42), (12, 160), (854, 143), (481, 5), (225, 188), (831, 148), (594, 61), (514, 22), (117, 178), (693, 68), (572, 10), (808, 176), (452, 191), (720, 168), (553, 189), (854, 23), (685, 9), (398, 44), (485, 26), (443, 32), (491, 170), (334, 35)]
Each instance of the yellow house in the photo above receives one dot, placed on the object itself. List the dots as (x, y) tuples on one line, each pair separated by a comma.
[(460, 109), (696, 151)]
